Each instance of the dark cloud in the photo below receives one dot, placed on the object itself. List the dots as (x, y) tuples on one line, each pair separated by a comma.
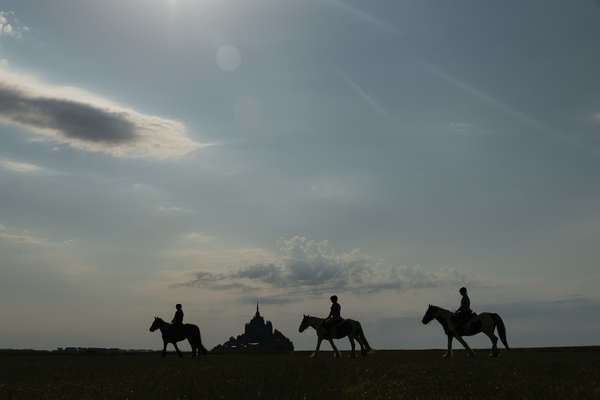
[(312, 268), (88, 122), (72, 119), (269, 300)]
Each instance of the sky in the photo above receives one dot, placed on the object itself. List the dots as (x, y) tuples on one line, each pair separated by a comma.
[(213, 153)]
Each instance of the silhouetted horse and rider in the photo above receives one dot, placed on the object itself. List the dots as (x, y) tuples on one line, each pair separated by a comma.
[(465, 322), (462, 322), (335, 327), (177, 331)]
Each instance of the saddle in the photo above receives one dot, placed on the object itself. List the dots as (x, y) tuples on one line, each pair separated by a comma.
[(336, 328), (467, 322)]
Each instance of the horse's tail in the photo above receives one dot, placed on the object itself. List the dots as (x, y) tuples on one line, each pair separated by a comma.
[(363, 338), (501, 329)]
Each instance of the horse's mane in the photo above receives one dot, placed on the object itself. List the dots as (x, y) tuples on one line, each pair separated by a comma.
[(436, 308)]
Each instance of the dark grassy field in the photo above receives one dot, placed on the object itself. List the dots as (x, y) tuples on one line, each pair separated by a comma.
[(519, 374)]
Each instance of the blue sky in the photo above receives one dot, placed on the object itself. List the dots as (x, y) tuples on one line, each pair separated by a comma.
[(211, 153)]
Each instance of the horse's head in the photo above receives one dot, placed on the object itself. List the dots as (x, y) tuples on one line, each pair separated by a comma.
[(429, 315), (303, 324), (156, 324)]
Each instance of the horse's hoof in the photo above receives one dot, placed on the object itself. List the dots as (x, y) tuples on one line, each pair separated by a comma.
[(313, 355)]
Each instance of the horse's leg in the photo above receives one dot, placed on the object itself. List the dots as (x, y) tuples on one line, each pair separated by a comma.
[(466, 346), (314, 354), (336, 351), (449, 352), (164, 352), (363, 347), (194, 347), (177, 348), (494, 339), (353, 346)]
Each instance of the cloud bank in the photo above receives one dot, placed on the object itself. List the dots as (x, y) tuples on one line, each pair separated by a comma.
[(86, 121), (307, 267)]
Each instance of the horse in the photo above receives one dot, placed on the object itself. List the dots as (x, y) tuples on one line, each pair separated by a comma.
[(486, 323), (347, 327), (174, 334)]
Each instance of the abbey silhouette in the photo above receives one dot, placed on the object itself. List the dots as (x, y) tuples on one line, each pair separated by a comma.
[(258, 336)]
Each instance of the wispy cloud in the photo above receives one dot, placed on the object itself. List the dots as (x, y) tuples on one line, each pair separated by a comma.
[(484, 97), (89, 122), (10, 26), (24, 237), (169, 210), (374, 104), (21, 167), (451, 79), (462, 128), (365, 16)]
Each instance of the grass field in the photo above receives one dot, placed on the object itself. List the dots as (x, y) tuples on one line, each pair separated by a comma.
[(559, 373)]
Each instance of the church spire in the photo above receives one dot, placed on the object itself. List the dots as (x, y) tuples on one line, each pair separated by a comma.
[(257, 312)]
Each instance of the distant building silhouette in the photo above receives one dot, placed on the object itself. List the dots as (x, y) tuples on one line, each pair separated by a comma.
[(257, 336)]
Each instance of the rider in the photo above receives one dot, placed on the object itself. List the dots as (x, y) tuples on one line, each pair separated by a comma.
[(178, 318), (334, 314), (463, 314)]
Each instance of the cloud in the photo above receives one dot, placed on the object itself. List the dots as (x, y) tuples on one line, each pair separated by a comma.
[(374, 104), (460, 127), (170, 211), (308, 267), (21, 167), (24, 238), (86, 121), (10, 25), (365, 17)]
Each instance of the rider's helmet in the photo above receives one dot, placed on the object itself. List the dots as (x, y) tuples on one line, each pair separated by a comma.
[(463, 290), (333, 298), (178, 306)]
